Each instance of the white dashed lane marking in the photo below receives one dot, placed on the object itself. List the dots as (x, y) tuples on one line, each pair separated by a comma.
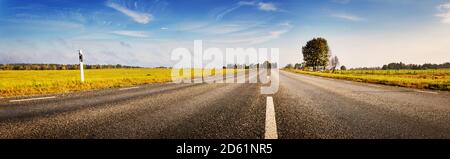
[(271, 124)]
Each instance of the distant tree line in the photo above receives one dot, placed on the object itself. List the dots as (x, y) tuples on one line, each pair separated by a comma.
[(403, 66), (21, 66), (295, 66), (58, 66), (400, 65), (265, 64)]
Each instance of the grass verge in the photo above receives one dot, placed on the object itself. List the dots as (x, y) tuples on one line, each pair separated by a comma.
[(422, 79), (37, 82)]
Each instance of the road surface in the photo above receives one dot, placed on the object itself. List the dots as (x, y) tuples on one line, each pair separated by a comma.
[(304, 107)]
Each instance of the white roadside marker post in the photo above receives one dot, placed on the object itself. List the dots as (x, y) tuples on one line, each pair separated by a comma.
[(80, 53)]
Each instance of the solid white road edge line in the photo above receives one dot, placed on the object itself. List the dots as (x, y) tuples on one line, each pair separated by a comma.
[(28, 99), (426, 92), (374, 85), (271, 124), (121, 89)]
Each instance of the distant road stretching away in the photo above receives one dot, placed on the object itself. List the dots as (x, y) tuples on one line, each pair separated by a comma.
[(304, 107)]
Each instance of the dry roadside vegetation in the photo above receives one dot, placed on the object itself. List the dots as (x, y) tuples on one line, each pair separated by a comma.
[(436, 79), (36, 82)]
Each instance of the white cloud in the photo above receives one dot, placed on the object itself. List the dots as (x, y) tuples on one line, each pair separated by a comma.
[(142, 18), (444, 6), (286, 24), (164, 28), (225, 28), (221, 15), (261, 5), (445, 17), (278, 33), (251, 40), (341, 1), (137, 34), (445, 13), (250, 3), (267, 6), (125, 44), (188, 25), (222, 28), (256, 36), (348, 17)]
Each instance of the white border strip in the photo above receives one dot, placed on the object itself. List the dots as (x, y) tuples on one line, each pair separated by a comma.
[(122, 89), (426, 92), (29, 99)]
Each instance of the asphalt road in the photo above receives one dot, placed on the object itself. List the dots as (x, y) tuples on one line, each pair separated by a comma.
[(313, 107), (304, 107)]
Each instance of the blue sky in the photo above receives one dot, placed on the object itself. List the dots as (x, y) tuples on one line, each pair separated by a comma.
[(144, 32)]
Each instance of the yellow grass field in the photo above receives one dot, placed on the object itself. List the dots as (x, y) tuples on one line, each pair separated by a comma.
[(424, 79), (33, 82)]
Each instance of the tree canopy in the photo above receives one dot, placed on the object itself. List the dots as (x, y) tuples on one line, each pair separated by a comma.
[(316, 53)]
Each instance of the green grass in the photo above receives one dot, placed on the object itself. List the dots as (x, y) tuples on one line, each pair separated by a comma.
[(438, 79), (33, 82)]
